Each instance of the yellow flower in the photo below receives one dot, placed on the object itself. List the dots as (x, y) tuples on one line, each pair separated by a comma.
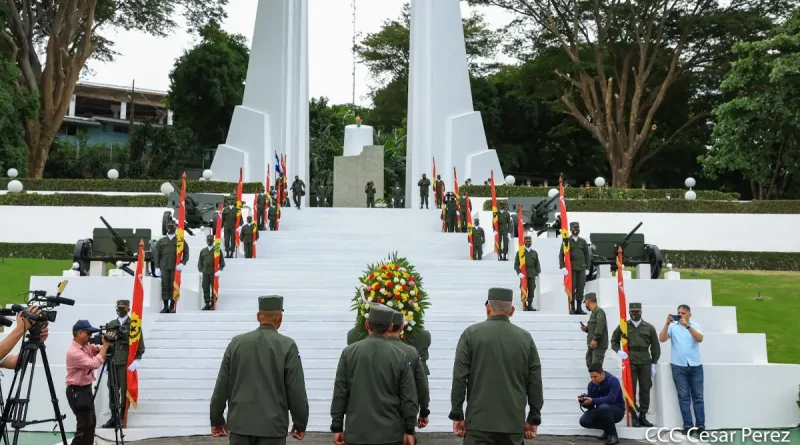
[(416, 308), (386, 283), (372, 293), (405, 297)]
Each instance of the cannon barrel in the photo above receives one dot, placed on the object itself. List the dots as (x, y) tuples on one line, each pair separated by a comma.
[(118, 240), (544, 204), (627, 238)]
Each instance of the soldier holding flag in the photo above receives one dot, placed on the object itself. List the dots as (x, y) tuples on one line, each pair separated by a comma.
[(119, 361), (530, 261)]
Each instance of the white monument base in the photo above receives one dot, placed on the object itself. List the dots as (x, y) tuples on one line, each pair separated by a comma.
[(248, 139), (604, 271), (356, 138), (643, 271), (672, 275)]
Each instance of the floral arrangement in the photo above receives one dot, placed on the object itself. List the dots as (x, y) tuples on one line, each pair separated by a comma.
[(395, 283), (380, 203)]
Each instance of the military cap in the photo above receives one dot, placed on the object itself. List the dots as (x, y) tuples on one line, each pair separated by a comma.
[(574, 224), (501, 294), (397, 318), (124, 303), (635, 306), (527, 237), (270, 303), (591, 296), (172, 222), (209, 237), (379, 313)]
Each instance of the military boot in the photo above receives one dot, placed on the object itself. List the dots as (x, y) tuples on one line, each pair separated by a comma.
[(166, 307), (643, 420), (109, 424), (529, 306), (635, 421), (207, 307), (171, 307)]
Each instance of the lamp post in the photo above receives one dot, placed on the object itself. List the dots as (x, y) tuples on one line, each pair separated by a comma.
[(690, 195)]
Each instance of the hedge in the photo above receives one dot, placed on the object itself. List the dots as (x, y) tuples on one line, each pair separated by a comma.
[(715, 259), (675, 206), (126, 185), (82, 200), (484, 191), (46, 251)]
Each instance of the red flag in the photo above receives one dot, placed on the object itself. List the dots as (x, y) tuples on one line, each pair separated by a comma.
[(255, 223), (495, 220), (238, 212), (217, 255), (266, 192), (285, 176), (458, 204), (565, 245), (523, 282), (135, 335), (469, 229), (176, 285), (627, 381)]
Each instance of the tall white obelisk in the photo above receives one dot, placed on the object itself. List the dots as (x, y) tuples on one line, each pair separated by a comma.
[(274, 114), (441, 120)]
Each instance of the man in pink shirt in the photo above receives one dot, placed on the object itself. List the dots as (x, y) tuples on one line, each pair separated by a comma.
[(82, 360)]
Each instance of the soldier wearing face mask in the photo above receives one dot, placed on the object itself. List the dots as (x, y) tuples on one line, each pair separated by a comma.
[(205, 264), (228, 228), (165, 257), (119, 357)]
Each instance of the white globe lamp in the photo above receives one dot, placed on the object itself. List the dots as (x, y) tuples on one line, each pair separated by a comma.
[(119, 264), (14, 186), (75, 266), (113, 174), (208, 174), (510, 180), (690, 195), (599, 181), (552, 192), (166, 188), (669, 266), (12, 173), (690, 182)]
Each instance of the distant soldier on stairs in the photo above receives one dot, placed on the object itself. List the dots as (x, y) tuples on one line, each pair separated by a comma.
[(370, 191), (118, 353), (228, 228), (439, 192), (532, 270), (165, 257), (322, 195), (450, 212), (596, 332), (424, 190), (261, 209), (205, 264), (504, 226), (478, 240), (298, 190), (580, 259), (397, 197), (463, 203), (272, 215), (248, 237)]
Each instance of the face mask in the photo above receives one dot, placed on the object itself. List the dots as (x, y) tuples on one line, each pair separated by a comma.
[(576, 232), (122, 312), (171, 230), (636, 317), (588, 308), (210, 243)]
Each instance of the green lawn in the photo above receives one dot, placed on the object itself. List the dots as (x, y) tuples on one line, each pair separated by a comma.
[(15, 274)]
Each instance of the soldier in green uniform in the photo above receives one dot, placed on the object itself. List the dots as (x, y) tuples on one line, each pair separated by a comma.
[(532, 269), (261, 380), (397, 197), (261, 209), (579, 256), (422, 341), (464, 203), (247, 236), (504, 226), (645, 350), (272, 215), (450, 212), (424, 190), (374, 389), (352, 336), (478, 240), (228, 228), (118, 351), (165, 257), (497, 367), (322, 195), (596, 332), (298, 190), (420, 377), (370, 191), (205, 264)]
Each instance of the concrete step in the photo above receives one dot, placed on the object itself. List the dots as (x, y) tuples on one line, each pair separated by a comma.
[(438, 347), (334, 353), (200, 336), (310, 323)]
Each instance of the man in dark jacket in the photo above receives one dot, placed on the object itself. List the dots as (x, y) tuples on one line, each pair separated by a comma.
[(605, 404)]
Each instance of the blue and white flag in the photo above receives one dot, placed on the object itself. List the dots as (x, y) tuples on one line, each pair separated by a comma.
[(278, 164)]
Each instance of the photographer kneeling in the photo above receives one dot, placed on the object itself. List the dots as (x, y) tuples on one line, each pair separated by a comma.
[(605, 404), (9, 360), (82, 359)]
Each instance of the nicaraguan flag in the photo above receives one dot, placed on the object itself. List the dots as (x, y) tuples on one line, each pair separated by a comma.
[(278, 164)]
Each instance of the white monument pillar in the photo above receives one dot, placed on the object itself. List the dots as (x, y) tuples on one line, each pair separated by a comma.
[(274, 114), (356, 138), (441, 121)]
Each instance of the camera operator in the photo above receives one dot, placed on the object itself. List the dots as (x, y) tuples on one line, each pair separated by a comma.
[(9, 360), (119, 354), (605, 404), (82, 359)]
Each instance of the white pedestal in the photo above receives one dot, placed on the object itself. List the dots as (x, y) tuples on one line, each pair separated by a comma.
[(643, 271), (626, 274), (552, 234), (116, 273), (70, 273), (97, 269), (604, 271), (356, 138), (672, 275)]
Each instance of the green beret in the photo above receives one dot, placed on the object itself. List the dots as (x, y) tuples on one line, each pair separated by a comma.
[(270, 303), (501, 294), (124, 303), (574, 224), (635, 306), (379, 313), (397, 318)]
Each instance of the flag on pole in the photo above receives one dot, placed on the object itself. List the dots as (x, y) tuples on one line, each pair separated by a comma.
[(469, 229), (255, 223), (266, 192), (565, 245), (495, 220), (238, 211), (627, 381), (176, 285), (279, 187), (135, 335), (285, 194), (217, 255), (458, 201), (435, 182), (523, 282)]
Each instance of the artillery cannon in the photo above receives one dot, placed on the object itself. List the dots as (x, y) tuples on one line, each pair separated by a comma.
[(543, 214), (635, 251), (201, 210), (109, 245)]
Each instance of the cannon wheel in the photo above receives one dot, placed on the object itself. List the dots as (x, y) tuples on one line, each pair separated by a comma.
[(655, 259), (83, 250), (164, 220)]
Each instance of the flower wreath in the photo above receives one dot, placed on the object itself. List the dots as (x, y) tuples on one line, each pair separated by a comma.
[(395, 283)]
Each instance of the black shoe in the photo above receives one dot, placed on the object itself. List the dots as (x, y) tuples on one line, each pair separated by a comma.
[(207, 307), (603, 436), (171, 306), (685, 431), (109, 424), (700, 430), (635, 422), (163, 311), (643, 420), (612, 440)]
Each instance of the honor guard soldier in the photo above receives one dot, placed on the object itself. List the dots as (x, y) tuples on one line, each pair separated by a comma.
[(322, 195), (228, 228), (478, 240), (450, 212), (298, 190), (424, 190), (166, 254), (463, 203), (272, 214), (397, 197), (532, 270), (579, 256), (420, 377), (247, 236), (439, 192), (261, 209), (596, 332), (422, 341), (374, 391), (370, 191), (645, 350), (497, 369), (118, 363), (504, 226), (261, 381), (205, 264)]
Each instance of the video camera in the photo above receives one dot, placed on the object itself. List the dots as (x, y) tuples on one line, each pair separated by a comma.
[(117, 331), (40, 299)]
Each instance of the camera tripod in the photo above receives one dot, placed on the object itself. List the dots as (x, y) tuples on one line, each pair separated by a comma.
[(15, 410), (117, 406)]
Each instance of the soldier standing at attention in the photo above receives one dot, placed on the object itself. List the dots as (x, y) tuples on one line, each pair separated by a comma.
[(397, 197), (497, 369), (298, 190), (645, 350), (261, 209), (119, 354), (322, 195), (205, 264), (228, 227), (424, 189), (504, 226), (464, 203), (579, 256), (247, 236), (261, 380), (272, 215), (450, 212), (374, 389), (370, 191), (166, 256), (532, 269), (478, 240), (596, 332), (412, 355), (439, 197)]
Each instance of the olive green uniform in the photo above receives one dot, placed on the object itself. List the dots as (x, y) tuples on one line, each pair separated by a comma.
[(397, 198), (272, 214), (322, 196), (580, 259), (644, 350), (478, 239), (370, 191), (205, 265), (439, 193), (420, 377), (298, 190), (166, 254), (228, 228), (451, 214), (119, 362), (424, 190), (463, 204), (261, 380), (504, 225), (532, 270), (422, 341), (352, 336), (597, 330), (247, 237), (497, 369)]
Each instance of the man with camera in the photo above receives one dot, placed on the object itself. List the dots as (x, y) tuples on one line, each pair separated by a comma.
[(82, 359), (9, 360), (370, 191), (605, 404), (119, 329)]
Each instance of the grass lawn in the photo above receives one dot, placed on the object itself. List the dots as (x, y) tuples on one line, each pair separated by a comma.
[(15, 274)]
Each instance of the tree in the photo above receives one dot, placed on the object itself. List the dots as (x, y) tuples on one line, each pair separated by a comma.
[(12, 107), (627, 54), (51, 41), (757, 132), (159, 151), (207, 83)]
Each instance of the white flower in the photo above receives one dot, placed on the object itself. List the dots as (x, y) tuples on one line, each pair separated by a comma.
[(396, 280), (399, 305), (403, 282), (408, 328), (389, 303), (383, 291), (364, 287), (366, 315), (370, 299), (412, 293), (403, 269), (412, 322), (410, 313)]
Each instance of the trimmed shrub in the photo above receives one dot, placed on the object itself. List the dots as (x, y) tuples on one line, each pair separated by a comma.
[(82, 200), (718, 259), (675, 206), (127, 185), (46, 251), (485, 191)]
